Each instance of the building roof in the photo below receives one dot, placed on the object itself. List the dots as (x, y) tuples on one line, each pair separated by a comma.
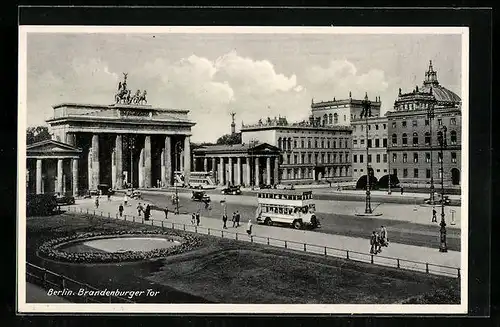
[(441, 94), (235, 148), (52, 148)]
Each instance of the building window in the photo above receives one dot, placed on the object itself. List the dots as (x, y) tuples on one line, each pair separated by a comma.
[(385, 157), (302, 159), (361, 170), (394, 124), (362, 142), (344, 118), (384, 143), (355, 143), (322, 143), (415, 173), (355, 170), (346, 145), (405, 139), (405, 173), (328, 158), (360, 158), (295, 159), (453, 121), (454, 157), (369, 127), (377, 158), (453, 137), (403, 123), (369, 143), (394, 139), (288, 159), (440, 122), (377, 143), (322, 158), (347, 157), (309, 158), (335, 118), (378, 170), (340, 158), (369, 158), (376, 127), (427, 139), (440, 173), (427, 173), (362, 127), (308, 144), (334, 144), (415, 157), (385, 126), (395, 172), (405, 157), (427, 157), (328, 144), (330, 118), (385, 170), (415, 139), (394, 157), (427, 122), (335, 158), (414, 123), (440, 157)]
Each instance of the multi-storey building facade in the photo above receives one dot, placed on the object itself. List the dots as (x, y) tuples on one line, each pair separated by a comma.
[(309, 152), (377, 147), (341, 112), (413, 147)]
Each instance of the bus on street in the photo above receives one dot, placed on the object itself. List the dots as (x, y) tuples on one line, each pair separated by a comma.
[(291, 207)]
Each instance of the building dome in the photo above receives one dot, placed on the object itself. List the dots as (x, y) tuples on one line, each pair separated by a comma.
[(441, 94)]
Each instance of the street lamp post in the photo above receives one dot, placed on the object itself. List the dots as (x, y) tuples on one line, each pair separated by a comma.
[(367, 112), (442, 230), (177, 151), (389, 161)]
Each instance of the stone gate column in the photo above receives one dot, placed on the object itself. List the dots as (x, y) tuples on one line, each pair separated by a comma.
[(167, 176), (119, 162), (187, 159), (257, 179), (59, 176), (268, 170), (221, 171), (248, 171), (74, 180), (90, 179), (140, 169), (276, 171), (238, 171), (205, 164), (38, 180), (162, 168), (147, 161), (95, 161), (230, 171), (113, 168)]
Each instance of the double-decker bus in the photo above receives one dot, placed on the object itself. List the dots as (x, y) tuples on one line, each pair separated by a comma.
[(293, 207), (197, 179)]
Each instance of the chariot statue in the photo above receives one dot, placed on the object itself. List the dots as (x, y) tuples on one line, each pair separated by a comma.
[(124, 95)]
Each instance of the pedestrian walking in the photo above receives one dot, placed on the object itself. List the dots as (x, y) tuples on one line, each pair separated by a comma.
[(434, 217), (378, 247), (125, 199), (147, 212), (249, 227), (97, 201), (109, 196), (224, 220), (166, 212), (373, 239), (384, 240), (238, 217), (401, 190), (193, 218), (198, 218), (139, 209), (234, 219), (120, 209)]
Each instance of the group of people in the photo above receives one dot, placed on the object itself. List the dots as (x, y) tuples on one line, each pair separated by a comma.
[(195, 218), (378, 240), (236, 221)]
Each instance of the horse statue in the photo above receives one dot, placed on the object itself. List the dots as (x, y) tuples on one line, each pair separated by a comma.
[(141, 99)]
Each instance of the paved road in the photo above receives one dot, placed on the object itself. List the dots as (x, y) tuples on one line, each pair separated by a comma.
[(411, 257), (336, 218)]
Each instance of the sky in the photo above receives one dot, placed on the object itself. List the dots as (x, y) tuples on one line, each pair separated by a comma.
[(254, 75)]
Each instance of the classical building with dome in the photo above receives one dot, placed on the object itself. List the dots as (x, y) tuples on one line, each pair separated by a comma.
[(413, 147)]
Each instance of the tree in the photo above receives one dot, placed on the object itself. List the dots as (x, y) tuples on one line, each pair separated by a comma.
[(37, 134), (228, 139)]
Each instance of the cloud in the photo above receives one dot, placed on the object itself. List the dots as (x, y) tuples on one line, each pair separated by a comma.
[(340, 77)]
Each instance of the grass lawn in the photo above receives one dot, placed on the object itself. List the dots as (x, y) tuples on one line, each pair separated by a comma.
[(226, 271)]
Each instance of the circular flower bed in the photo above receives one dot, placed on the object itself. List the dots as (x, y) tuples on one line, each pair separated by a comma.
[(50, 249)]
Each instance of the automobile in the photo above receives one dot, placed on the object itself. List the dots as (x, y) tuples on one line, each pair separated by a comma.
[(200, 196), (265, 186), (105, 189), (438, 199), (234, 190), (64, 199), (134, 194)]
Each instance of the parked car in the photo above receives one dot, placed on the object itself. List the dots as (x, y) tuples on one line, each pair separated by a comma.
[(134, 194), (234, 190), (105, 189), (200, 196), (265, 186), (62, 199), (438, 199)]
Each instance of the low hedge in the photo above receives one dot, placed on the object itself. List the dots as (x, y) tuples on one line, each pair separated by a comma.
[(50, 249)]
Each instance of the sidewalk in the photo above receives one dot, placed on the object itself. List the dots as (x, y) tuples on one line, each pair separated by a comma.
[(358, 247)]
